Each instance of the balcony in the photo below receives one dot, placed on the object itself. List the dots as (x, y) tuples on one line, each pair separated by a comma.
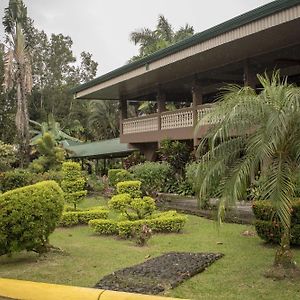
[(178, 124)]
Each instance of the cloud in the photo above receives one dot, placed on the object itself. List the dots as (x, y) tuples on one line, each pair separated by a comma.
[(103, 27)]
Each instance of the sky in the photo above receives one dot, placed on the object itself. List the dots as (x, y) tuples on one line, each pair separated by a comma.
[(103, 27)]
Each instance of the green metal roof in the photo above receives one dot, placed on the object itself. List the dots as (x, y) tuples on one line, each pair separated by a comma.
[(200, 37), (101, 149)]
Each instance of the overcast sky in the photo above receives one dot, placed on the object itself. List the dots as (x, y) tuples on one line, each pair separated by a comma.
[(103, 27)]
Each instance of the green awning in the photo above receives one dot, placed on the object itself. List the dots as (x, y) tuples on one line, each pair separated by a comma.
[(102, 149)]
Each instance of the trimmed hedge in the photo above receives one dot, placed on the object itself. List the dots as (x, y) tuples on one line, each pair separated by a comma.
[(268, 226), (107, 227), (125, 229), (159, 225), (131, 187), (28, 215), (72, 218)]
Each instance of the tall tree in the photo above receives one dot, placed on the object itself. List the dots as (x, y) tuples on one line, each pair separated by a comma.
[(18, 70), (104, 116), (161, 37), (255, 132)]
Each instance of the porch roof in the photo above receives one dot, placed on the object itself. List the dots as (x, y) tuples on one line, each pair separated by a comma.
[(131, 78), (101, 149)]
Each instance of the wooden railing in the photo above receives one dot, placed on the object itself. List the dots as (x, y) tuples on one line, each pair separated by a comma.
[(180, 118)]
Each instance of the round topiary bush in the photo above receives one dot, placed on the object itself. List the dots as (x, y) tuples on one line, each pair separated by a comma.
[(28, 215)]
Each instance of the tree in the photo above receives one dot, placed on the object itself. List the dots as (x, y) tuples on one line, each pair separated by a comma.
[(163, 36), (18, 70), (255, 132), (52, 127), (104, 116), (8, 107)]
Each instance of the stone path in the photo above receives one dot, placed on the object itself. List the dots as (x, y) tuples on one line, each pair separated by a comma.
[(158, 274)]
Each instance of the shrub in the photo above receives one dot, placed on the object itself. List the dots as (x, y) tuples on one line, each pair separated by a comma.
[(165, 224), (7, 156), (51, 156), (71, 218), (112, 179), (267, 224), (176, 153), (57, 176), (14, 179), (95, 184), (123, 175), (73, 183), (132, 187), (108, 227), (153, 176), (85, 216), (133, 159), (28, 215), (120, 202), (132, 208)]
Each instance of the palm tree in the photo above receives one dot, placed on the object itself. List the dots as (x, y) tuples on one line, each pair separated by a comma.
[(163, 36), (104, 117), (18, 70), (254, 132)]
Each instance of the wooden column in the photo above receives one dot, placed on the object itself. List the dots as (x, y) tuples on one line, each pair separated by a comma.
[(250, 78), (161, 105), (197, 100), (123, 113)]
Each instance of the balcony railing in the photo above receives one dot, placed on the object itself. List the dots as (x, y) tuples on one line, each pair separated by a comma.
[(180, 118), (141, 124), (177, 119)]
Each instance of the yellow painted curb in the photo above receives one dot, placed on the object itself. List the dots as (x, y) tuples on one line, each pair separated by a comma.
[(28, 290)]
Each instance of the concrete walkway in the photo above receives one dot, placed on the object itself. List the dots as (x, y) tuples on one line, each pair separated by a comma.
[(241, 213)]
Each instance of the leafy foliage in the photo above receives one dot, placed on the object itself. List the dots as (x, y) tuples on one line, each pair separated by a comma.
[(14, 179), (73, 183), (28, 216), (153, 175), (268, 226), (132, 188), (176, 153), (7, 156), (112, 176), (72, 218), (163, 36), (133, 159), (51, 156)]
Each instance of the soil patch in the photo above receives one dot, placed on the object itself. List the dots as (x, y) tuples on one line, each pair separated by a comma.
[(158, 274)]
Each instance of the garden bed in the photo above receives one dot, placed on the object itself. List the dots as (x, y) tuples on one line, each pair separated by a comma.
[(158, 274)]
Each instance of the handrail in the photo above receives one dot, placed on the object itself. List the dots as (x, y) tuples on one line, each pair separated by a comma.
[(170, 112), (141, 117), (28, 290)]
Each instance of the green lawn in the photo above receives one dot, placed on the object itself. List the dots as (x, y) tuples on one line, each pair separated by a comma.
[(238, 275)]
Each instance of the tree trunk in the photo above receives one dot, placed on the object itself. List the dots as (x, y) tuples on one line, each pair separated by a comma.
[(284, 255), (22, 119)]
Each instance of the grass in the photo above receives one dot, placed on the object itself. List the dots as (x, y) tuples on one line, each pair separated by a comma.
[(238, 275)]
